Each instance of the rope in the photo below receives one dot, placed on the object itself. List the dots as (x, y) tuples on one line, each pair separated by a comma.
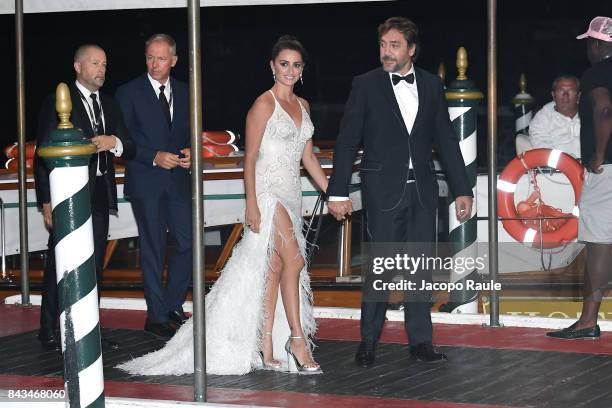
[(539, 205)]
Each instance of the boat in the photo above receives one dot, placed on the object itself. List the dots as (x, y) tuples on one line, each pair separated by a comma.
[(495, 360)]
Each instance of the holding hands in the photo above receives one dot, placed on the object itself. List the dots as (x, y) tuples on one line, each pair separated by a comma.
[(339, 209)]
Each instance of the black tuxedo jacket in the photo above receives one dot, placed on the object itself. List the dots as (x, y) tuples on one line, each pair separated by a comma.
[(372, 116), (113, 125)]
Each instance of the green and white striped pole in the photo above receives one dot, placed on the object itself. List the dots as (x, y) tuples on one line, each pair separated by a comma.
[(523, 108), (67, 156), (463, 99)]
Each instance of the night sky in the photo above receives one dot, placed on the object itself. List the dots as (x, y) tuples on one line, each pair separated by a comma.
[(535, 37)]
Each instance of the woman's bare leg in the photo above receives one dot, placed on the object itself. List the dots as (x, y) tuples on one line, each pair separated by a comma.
[(285, 243), (271, 296)]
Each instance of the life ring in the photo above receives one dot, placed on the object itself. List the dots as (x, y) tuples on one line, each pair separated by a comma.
[(219, 137), (209, 150), (12, 151), (506, 186)]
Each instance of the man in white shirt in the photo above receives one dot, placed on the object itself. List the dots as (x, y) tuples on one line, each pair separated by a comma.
[(557, 124)]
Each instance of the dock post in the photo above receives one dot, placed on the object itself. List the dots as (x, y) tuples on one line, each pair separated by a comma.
[(523, 108), (463, 99), (67, 155)]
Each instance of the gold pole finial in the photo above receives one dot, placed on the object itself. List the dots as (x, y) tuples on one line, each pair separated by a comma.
[(523, 83), (462, 64), (442, 72), (63, 106)]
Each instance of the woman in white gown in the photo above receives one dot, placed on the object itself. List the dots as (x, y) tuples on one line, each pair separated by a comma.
[(246, 328)]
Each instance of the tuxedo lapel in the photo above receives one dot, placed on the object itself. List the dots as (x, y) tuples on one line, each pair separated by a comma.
[(148, 90), (387, 89), (422, 91), (80, 118)]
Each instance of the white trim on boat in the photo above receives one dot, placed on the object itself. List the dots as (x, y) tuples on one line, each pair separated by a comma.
[(355, 314)]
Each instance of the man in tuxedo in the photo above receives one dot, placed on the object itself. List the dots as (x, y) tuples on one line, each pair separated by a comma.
[(99, 117), (158, 182), (399, 113)]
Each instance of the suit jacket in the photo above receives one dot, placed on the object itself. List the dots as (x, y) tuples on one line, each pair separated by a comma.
[(113, 125), (147, 123), (372, 115)]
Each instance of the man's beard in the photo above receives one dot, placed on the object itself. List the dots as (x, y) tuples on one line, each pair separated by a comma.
[(395, 67)]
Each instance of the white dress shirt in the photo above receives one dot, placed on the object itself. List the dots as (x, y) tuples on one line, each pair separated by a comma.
[(88, 103), (407, 96), (552, 130)]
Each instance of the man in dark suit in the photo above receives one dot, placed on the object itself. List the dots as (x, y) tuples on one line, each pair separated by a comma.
[(99, 117), (158, 181), (398, 112)]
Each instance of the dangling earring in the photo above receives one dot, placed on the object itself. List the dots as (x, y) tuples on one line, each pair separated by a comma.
[(301, 79), (274, 76)]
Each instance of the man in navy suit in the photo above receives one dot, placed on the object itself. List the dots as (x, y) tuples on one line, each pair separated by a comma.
[(158, 182), (99, 117), (398, 112)]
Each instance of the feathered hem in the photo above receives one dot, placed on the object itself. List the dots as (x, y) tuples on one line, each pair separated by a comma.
[(235, 309)]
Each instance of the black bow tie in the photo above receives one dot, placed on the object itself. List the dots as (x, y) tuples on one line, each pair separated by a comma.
[(397, 78)]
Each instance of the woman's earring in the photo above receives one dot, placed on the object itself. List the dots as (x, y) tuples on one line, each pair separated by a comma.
[(274, 76), (301, 80)]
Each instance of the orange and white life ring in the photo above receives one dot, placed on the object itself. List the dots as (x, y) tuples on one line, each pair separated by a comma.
[(219, 137), (506, 186), (209, 150), (12, 151)]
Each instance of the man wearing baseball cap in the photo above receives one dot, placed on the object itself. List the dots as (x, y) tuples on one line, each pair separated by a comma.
[(595, 224)]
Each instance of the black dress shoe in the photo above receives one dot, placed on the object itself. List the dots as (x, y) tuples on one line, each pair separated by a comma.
[(178, 317), (162, 330), (365, 354), (425, 352), (108, 345), (571, 333), (50, 340)]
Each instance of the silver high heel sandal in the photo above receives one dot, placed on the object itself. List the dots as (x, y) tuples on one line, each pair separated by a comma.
[(301, 368), (273, 365)]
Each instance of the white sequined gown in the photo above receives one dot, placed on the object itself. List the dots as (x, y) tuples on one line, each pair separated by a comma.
[(234, 306)]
